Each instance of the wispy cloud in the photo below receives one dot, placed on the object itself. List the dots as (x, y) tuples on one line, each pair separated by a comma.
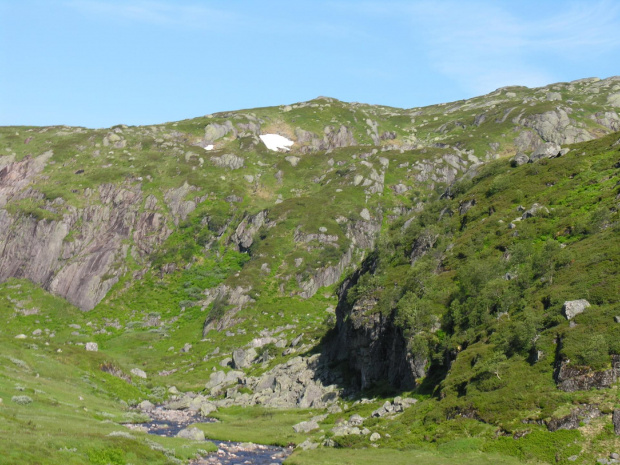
[(483, 45)]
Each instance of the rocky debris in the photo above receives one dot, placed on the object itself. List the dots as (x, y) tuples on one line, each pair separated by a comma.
[(572, 308), (300, 382), (207, 408), (583, 414), (138, 372), (519, 159), (374, 437), (179, 207), (229, 161), (384, 410), (570, 378), (243, 358), (92, 347), (535, 210), (194, 434)]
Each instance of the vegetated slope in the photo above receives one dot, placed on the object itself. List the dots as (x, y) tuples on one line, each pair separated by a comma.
[(200, 253), (475, 285)]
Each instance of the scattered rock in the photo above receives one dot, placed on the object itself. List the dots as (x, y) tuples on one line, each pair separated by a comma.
[(21, 400), (375, 437), (572, 308), (547, 150), (92, 347), (21, 336), (356, 420), (138, 372)]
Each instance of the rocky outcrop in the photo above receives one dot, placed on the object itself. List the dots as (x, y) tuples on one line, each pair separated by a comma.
[(243, 237), (215, 131), (81, 254), (572, 308), (581, 415), (374, 348), (570, 378), (231, 299), (556, 126), (332, 138)]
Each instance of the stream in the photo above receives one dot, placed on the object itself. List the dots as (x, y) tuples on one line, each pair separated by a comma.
[(169, 422)]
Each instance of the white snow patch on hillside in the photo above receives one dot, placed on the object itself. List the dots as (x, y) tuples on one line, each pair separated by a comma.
[(209, 147), (276, 142)]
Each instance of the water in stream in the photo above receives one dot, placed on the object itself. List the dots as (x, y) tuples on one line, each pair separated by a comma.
[(170, 422)]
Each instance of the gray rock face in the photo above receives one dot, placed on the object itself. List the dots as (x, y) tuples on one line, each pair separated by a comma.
[(556, 126), (570, 378), (572, 308), (84, 269), (243, 236), (574, 419), (372, 345)]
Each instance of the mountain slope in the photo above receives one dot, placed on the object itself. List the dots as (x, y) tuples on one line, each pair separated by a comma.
[(386, 251)]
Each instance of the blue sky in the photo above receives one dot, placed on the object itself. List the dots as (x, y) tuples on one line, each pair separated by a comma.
[(97, 63)]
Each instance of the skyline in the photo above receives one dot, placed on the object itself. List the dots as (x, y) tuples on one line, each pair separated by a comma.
[(97, 63)]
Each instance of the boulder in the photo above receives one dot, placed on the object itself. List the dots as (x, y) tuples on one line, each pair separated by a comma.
[(356, 420), (146, 406), (546, 150), (534, 210), (243, 358), (374, 437), (207, 408), (308, 445), (138, 372), (306, 426), (191, 433), (519, 159), (92, 347), (572, 308)]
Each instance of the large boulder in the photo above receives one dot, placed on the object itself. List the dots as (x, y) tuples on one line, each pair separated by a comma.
[(191, 433), (547, 150), (519, 159), (306, 426), (243, 358), (572, 308)]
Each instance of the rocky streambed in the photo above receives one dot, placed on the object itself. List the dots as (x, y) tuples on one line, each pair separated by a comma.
[(171, 423)]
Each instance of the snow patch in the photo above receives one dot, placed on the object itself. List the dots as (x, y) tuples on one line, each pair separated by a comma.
[(209, 147), (276, 142)]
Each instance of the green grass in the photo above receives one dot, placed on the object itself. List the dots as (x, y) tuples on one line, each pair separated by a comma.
[(394, 457)]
